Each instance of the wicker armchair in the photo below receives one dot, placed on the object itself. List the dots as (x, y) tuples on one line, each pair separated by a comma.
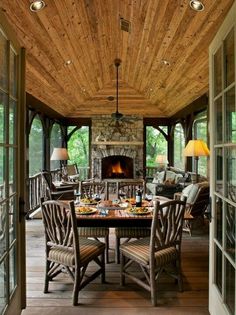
[(66, 251), (157, 253)]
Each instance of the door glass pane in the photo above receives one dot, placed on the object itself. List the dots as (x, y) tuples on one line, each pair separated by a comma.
[(2, 287), (2, 229), (12, 170), (219, 121), (230, 230), (12, 219), (13, 74), (218, 268), (230, 287), (2, 175), (229, 58), (219, 171), (231, 174), (3, 62), (12, 270), (3, 102), (12, 122), (230, 116), (217, 72), (218, 219)]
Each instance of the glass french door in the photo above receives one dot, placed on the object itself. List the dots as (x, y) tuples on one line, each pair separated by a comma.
[(223, 168), (11, 107)]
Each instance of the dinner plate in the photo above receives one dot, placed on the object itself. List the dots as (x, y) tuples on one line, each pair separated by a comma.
[(85, 201), (138, 210), (85, 210)]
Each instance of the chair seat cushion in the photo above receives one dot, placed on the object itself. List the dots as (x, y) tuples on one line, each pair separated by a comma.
[(93, 231), (88, 250), (132, 232), (138, 250)]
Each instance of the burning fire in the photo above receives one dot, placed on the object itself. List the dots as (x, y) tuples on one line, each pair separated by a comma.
[(116, 168)]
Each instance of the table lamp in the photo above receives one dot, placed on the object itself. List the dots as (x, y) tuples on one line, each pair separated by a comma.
[(196, 148), (60, 154), (162, 161)]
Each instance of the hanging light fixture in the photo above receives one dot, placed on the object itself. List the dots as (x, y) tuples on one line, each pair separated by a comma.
[(37, 5), (196, 5)]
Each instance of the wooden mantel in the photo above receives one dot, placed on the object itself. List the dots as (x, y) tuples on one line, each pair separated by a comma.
[(131, 143)]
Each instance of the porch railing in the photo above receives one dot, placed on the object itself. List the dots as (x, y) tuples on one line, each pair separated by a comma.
[(37, 187)]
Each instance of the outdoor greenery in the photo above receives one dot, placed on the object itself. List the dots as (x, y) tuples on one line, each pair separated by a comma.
[(78, 146), (156, 144), (55, 142), (179, 144), (200, 132), (36, 147)]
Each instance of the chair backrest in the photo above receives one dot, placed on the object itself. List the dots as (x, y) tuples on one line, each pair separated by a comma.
[(201, 201), (47, 179), (71, 170), (60, 226), (166, 229), (91, 188)]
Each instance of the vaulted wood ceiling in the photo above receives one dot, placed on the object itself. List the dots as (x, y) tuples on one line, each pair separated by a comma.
[(88, 33)]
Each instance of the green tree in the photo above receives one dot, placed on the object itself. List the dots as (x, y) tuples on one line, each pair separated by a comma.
[(155, 144)]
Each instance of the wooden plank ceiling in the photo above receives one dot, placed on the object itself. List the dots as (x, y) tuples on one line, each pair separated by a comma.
[(88, 33)]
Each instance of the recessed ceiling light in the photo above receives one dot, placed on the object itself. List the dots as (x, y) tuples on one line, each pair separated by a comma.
[(68, 62), (196, 5), (37, 5), (165, 62)]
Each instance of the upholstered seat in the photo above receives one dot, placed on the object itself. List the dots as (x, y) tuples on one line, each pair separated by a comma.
[(157, 253), (128, 233), (66, 251), (90, 189)]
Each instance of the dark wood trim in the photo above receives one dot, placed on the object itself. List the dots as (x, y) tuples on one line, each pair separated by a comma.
[(194, 108), (78, 122), (156, 122), (41, 108)]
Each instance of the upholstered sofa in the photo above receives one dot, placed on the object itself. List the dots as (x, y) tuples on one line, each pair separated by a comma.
[(167, 183)]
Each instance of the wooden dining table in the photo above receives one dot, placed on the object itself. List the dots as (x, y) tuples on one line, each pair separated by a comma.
[(115, 217)]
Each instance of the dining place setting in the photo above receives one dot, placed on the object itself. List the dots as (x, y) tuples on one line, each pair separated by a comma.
[(121, 207)]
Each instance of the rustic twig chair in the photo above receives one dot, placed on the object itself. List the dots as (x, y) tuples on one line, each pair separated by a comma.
[(90, 189), (65, 251), (159, 252), (71, 171), (128, 233), (55, 193), (196, 206)]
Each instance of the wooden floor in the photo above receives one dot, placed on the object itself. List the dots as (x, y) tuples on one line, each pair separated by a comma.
[(110, 298)]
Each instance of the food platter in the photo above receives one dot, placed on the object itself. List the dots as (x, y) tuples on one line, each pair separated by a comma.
[(139, 210), (85, 210), (87, 201)]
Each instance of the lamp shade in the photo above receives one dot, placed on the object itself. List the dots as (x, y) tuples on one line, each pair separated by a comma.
[(60, 154), (196, 148), (161, 159)]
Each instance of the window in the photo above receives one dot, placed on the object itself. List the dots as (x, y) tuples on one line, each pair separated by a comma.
[(179, 143), (200, 132), (55, 142), (36, 147), (78, 149), (156, 144)]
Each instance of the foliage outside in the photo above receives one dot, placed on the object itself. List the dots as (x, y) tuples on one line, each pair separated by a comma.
[(55, 142), (78, 149), (179, 143), (36, 147), (156, 144)]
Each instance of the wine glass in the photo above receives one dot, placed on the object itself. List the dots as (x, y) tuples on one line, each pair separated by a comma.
[(77, 196), (149, 198)]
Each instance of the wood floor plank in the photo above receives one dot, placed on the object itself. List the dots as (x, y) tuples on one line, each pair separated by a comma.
[(110, 298)]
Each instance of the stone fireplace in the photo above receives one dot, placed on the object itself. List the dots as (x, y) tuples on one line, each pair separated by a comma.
[(117, 150), (117, 166)]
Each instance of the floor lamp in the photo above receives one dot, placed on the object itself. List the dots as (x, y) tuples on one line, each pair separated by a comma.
[(60, 154), (196, 148)]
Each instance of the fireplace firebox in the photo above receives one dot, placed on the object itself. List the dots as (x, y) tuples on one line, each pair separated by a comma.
[(117, 166)]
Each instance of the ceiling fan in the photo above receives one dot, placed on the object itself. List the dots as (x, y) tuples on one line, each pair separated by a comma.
[(117, 116)]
